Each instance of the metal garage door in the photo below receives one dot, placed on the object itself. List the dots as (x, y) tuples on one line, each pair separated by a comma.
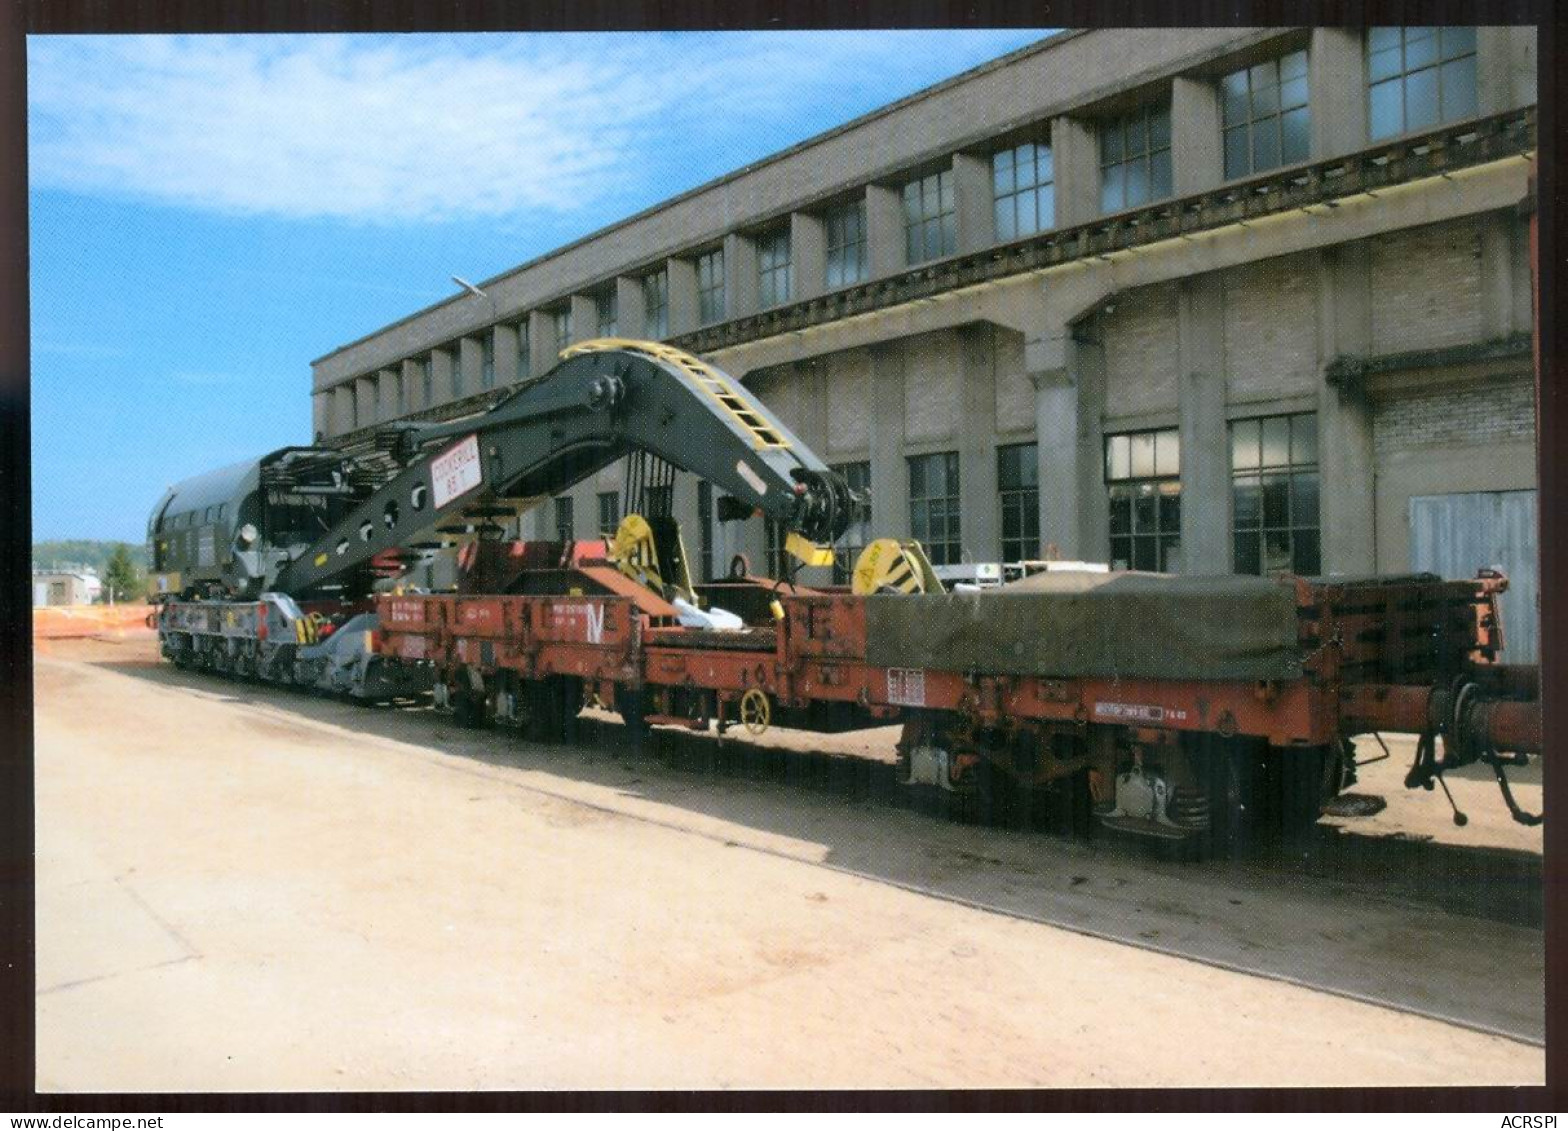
[(1455, 535)]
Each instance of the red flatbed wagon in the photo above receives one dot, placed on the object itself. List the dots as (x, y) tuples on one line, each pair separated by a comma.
[(1123, 686)]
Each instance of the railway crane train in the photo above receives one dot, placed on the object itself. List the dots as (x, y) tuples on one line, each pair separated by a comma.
[(1185, 709)]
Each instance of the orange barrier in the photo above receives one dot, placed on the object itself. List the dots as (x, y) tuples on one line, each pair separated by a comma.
[(117, 622)]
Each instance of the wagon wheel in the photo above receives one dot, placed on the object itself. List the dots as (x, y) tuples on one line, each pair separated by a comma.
[(755, 711)]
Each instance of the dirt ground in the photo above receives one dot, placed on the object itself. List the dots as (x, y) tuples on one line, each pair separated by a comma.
[(249, 889)]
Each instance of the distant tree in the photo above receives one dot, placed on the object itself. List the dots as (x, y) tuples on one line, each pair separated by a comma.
[(85, 551), (121, 579)]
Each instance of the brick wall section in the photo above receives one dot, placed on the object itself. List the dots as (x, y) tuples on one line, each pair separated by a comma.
[(1141, 352), (931, 393), (1271, 328), (1426, 287), (849, 403), (1489, 414), (1014, 390)]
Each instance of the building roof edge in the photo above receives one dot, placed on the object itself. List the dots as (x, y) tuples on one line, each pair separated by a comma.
[(1043, 44)]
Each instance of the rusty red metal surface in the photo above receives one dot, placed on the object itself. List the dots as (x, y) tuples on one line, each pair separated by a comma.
[(1375, 652)]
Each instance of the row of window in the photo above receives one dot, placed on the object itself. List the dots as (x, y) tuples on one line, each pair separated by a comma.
[(1274, 485), (1274, 499), (187, 519), (1415, 78), (1274, 469)]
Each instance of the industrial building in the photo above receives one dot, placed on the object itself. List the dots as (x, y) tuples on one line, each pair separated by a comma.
[(1200, 300)]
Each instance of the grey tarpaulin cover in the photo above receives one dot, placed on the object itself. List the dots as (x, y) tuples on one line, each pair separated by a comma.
[(1137, 625)]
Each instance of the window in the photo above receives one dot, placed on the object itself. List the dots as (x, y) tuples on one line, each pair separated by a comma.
[(426, 382), (858, 534), (563, 327), (773, 261), (609, 513), (563, 519), (353, 408), (933, 506), (456, 354), (704, 531), (1274, 477), (1018, 481), (525, 360), (1135, 158), (1143, 474), (846, 244), (606, 314), (1022, 185), (487, 362), (930, 219), (1418, 77), (710, 286), (399, 393), (656, 304), (1263, 109)]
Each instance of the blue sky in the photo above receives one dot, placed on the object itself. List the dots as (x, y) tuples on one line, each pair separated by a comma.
[(208, 214)]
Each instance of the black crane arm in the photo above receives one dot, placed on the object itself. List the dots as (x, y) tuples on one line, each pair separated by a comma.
[(605, 400)]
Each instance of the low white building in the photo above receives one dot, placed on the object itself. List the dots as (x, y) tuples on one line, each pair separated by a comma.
[(66, 586)]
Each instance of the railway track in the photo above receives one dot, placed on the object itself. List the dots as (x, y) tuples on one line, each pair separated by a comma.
[(1392, 921)]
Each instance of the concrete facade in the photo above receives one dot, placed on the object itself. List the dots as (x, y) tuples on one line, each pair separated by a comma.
[(1419, 291)]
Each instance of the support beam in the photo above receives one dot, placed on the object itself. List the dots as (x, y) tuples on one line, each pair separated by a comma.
[(683, 296), (1198, 162), (445, 363), (1345, 452), (884, 230), (321, 414), (889, 472), (471, 359), (389, 383), (972, 199), (413, 384), (1497, 277), (980, 515), (1205, 447), (629, 308), (808, 254), (365, 400), (343, 408), (1067, 369), (507, 358), (740, 276), (585, 319), (1337, 91), (541, 342), (1075, 155)]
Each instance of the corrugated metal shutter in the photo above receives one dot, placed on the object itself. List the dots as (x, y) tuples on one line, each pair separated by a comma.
[(1455, 535)]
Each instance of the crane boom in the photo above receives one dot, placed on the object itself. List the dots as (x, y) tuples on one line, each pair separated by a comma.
[(606, 399)]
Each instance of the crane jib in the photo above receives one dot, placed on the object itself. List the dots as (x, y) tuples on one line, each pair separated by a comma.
[(604, 401)]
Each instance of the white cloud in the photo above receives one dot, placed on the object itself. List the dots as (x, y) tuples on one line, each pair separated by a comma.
[(88, 350), (401, 128)]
